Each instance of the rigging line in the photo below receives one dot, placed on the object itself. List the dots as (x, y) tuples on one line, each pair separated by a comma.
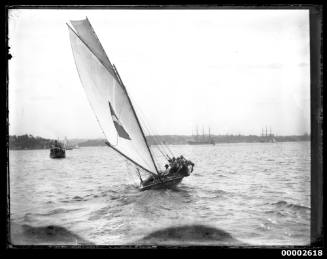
[(137, 151), (161, 147), (119, 112), (153, 135), (122, 110), (162, 151), (161, 158), (137, 120), (158, 154), (123, 87), (160, 143), (157, 140), (164, 146)]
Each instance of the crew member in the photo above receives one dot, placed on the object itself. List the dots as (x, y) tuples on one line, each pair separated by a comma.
[(166, 172)]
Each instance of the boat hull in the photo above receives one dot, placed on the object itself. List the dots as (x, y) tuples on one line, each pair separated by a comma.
[(57, 153), (164, 184), (58, 156)]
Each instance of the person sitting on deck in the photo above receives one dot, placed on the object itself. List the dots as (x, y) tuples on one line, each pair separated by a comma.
[(166, 172)]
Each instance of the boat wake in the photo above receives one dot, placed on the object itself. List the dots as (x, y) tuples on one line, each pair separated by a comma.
[(295, 207), (51, 213)]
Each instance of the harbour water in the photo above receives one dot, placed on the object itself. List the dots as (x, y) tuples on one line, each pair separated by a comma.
[(258, 193)]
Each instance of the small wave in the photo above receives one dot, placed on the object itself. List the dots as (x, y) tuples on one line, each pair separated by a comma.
[(278, 213), (59, 211), (50, 213), (100, 213), (78, 198), (220, 193), (284, 204)]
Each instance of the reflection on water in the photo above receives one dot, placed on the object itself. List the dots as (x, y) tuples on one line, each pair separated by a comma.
[(257, 193)]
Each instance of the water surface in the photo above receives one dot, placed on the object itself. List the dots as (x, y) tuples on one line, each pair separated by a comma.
[(259, 193)]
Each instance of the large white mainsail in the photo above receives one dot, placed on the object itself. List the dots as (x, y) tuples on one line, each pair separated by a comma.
[(108, 97)]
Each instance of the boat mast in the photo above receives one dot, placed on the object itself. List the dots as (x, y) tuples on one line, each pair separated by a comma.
[(197, 132), (137, 120)]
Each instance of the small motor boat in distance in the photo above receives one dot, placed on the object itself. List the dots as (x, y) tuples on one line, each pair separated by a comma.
[(57, 150)]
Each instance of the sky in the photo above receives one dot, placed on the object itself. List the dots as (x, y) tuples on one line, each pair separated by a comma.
[(233, 71)]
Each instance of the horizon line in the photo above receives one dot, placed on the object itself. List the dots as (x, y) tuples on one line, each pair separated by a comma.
[(179, 135)]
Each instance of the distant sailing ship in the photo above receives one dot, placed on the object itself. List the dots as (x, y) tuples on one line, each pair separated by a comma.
[(115, 113), (67, 145), (202, 140), (267, 138)]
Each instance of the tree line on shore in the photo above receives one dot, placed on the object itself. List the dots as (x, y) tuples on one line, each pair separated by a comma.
[(31, 142)]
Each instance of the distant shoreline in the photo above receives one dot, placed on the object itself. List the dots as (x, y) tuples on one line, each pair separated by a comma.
[(29, 142), (217, 144)]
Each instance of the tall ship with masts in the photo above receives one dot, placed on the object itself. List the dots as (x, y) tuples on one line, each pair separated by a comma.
[(202, 140), (267, 138), (115, 113), (68, 146)]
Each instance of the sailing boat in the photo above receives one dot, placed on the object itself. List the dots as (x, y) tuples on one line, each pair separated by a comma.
[(115, 113), (203, 140), (67, 145)]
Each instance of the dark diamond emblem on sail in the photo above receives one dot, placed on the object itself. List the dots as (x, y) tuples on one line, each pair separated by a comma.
[(120, 129)]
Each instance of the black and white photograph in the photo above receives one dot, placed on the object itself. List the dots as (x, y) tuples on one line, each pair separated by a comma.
[(159, 127)]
